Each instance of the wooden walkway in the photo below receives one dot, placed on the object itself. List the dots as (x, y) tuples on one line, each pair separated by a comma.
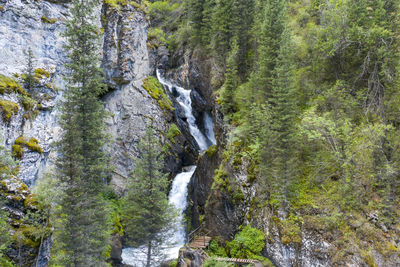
[(247, 261), (200, 242)]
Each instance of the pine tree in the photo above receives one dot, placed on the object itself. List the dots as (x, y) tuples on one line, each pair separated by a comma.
[(270, 25), (30, 72), (195, 16), (147, 216), (284, 110), (82, 237), (222, 28), (242, 23), (207, 22), (231, 82)]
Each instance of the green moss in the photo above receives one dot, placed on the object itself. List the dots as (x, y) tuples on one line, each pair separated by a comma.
[(156, 91), (211, 151), (30, 202), (41, 73), (17, 151), (220, 178), (173, 132), (27, 102), (8, 109), (291, 232), (119, 3), (49, 21), (9, 85), (32, 144)]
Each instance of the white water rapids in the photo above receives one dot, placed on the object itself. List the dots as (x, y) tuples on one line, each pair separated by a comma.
[(178, 194)]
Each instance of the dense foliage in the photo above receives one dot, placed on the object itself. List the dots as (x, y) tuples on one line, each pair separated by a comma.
[(311, 91)]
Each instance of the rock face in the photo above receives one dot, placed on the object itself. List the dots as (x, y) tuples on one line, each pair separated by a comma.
[(39, 26), (126, 64), (24, 25)]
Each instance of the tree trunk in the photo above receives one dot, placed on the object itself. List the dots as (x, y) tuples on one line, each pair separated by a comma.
[(42, 237), (148, 254)]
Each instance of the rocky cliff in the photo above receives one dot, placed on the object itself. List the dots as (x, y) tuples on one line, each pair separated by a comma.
[(38, 26)]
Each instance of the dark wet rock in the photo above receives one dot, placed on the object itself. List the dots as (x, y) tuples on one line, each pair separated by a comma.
[(190, 258)]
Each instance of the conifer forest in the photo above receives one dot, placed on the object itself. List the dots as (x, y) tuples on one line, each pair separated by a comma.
[(199, 133)]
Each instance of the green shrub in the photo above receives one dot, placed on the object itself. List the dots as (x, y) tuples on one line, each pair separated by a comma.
[(213, 263), (8, 109), (247, 244), (27, 102), (215, 249)]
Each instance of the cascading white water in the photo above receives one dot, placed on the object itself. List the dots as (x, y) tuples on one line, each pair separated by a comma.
[(179, 191), (209, 127), (178, 198), (185, 102)]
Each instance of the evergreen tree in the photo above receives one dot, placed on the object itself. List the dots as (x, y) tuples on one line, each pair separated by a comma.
[(271, 27), (231, 82), (82, 238), (242, 23), (195, 16), (207, 22), (30, 71), (222, 28), (284, 110), (147, 216)]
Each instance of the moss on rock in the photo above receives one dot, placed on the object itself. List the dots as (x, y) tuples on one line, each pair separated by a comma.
[(9, 85), (32, 144), (8, 109), (173, 132), (156, 91), (48, 20)]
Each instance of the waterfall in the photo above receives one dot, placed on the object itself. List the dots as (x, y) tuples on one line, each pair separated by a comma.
[(179, 191), (184, 100)]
